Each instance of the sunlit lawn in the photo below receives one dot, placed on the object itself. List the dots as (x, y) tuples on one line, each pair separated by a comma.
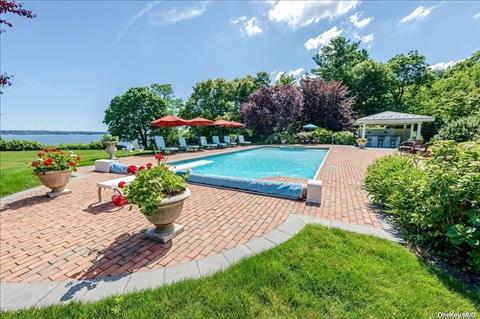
[(320, 273), (16, 172)]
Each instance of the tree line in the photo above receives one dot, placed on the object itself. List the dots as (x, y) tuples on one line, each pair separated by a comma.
[(344, 84)]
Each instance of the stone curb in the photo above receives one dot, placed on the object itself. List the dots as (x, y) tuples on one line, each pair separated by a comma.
[(14, 296)]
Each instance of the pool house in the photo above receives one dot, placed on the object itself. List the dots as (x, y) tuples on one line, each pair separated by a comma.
[(389, 129)]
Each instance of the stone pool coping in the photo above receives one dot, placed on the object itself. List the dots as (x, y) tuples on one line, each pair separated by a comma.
[(14, 296)]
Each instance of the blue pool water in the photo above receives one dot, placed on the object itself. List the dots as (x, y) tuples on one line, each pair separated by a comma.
[(263, 162)]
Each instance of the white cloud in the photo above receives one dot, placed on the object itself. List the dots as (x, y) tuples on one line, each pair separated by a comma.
[(178, 15), (301, 13), (296, 73), (418, 14), (249, 27), (476, 16), (444, 65), (366, 39), (322, 39), (149, 6), (359, 23)]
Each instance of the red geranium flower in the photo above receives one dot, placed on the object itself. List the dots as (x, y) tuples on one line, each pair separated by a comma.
[(122, 184), (48, 161), (78, 158), (132, 169), (35, 164), (159, 157), (72, 164), (141, 168), (119, 200), (149, 165), (40, 154)]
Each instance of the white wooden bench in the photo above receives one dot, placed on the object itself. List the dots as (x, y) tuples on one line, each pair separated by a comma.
[(113, 183)]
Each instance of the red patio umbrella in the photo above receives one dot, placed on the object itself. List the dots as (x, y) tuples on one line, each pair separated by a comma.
[(169, 121), (199, 121), (237, 124), (223, 123)]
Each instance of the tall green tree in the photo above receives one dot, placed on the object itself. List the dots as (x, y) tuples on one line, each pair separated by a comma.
[(129, 115), (286, 79), (410, 71), (336, 60), (166, 92), (371, 83)]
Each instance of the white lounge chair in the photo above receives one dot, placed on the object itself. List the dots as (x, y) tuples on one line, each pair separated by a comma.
[(204, 143), (160, 143), (184, 146), (136, 147), (113, 184), (227, 140), (216, 140), (241, 140)]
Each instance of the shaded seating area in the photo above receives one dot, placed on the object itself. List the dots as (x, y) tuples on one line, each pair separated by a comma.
[(187, 147), (413, 147), (160, 144), (390, 129)]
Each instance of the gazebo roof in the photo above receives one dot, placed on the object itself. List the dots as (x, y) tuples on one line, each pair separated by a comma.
[(394, 118)]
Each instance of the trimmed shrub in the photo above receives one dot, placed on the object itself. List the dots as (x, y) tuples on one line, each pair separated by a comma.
[(276, 138), (82, 146), (461, 130), (20, 145), (322, 136), (436, 200), (344, 138)]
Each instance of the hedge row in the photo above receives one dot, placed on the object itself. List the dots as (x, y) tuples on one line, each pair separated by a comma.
[(436, 200), (22, 145)]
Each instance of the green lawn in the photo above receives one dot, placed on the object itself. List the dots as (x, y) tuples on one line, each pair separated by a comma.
[(16, 172), (320, 273)]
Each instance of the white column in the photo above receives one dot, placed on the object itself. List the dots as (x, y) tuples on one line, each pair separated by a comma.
[(419, 131), (363, 130), (411, 130)]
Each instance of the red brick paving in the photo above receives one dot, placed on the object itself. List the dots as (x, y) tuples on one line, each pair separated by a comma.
[(73, 237)]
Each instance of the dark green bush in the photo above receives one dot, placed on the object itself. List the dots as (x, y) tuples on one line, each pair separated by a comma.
[(436, 200), (276, 138), (322, 136), (344, 138), (20, 145), (82, 146), (461, 130)]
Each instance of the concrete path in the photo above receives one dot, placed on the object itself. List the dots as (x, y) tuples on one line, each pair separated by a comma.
[(23, 295)]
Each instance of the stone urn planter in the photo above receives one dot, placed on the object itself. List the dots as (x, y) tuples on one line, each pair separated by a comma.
[(111, 148), (56, 181), (283, 141), (164, 218), (361, 142)]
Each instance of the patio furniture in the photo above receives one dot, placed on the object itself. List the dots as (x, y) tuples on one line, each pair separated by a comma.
[(136, 147), (242, 141), (184, 146), (205, 144), (216, 140), (104, 165), (113, 184), (410, 145), (227, 140), (160, 143)]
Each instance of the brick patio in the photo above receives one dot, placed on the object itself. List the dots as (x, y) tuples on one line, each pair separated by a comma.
[(74, 237)]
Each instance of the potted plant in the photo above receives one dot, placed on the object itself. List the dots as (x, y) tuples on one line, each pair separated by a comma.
[(54, 168), (361, 142), (110, 143), (159, 194)]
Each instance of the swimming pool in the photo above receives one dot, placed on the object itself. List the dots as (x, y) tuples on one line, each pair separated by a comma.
[(262, 162)]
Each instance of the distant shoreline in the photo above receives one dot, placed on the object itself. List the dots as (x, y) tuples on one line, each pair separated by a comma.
[(47, 132)]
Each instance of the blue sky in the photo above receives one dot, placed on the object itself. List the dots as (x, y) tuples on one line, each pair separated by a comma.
[(74, 57)]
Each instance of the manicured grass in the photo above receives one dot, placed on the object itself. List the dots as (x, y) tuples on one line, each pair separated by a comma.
[(320, 273), (16, 172)]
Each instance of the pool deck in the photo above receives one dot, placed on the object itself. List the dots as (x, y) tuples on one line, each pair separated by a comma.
[(73, 237)]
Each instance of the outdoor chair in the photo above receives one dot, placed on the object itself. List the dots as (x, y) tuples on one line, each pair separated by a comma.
[(204, 143), (227, 140), (412, 146), (242, 141), (160, 143), (186, 147), (216, 140)]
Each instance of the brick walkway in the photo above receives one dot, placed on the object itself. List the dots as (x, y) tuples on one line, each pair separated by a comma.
[(73, 237)]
